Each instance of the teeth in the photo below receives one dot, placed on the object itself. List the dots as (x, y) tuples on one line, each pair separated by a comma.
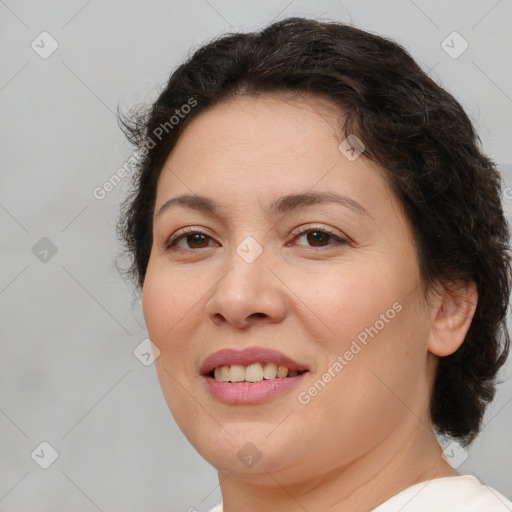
[(270, 371), (236, 373), (282, 372), (222, 373), (255, 372)]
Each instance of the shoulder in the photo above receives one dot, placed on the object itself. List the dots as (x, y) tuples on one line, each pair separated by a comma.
[(462, 493)]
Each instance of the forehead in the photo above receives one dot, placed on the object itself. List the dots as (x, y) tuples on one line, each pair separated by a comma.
[(277, 120), (267, 144)]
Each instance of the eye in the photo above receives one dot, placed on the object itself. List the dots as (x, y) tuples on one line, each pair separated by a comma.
[(192, 237), (319, 237)]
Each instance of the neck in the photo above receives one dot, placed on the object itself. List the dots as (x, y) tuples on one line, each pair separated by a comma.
[(399, 462)]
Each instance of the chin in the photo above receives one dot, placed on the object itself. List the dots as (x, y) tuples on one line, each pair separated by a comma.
[(247, 450)]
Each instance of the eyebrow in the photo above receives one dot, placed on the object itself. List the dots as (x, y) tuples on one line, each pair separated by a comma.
[(282, 205)]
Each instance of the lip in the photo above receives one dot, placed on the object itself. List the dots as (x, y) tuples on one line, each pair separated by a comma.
[(249, 392), (247, 356)]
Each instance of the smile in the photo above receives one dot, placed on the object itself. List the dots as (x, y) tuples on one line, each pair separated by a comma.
[(255, 372), (249, 376)]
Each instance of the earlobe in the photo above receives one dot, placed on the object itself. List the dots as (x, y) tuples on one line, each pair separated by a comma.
[(453, 319)]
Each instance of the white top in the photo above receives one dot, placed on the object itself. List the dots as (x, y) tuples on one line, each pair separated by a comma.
[(462, 493)]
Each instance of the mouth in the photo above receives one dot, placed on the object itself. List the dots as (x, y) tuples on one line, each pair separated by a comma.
[(255, 372), (252, 375)]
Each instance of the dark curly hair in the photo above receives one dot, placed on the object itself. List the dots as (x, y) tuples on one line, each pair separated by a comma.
[(409, 125)]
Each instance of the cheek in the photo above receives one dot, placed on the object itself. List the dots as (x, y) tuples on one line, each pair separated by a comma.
[(375, 347), (367, 315), (168, 300), (345, 301)]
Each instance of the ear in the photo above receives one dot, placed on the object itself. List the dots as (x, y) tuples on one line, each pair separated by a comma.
[(452, 319)]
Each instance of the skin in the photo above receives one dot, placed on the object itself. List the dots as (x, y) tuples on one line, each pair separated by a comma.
[(367, 434)]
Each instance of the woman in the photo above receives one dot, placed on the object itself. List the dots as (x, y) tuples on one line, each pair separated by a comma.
[(324, 268)]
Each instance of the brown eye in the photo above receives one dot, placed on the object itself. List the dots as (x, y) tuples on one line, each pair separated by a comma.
[(196, 241), (193, 239), (319, 237)]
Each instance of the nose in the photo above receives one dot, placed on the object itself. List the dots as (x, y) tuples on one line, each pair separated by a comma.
[(249, 293)]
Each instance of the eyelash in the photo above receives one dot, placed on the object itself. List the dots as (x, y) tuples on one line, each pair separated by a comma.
[(186, 232)]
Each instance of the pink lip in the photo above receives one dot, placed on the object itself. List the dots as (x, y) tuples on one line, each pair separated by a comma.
[(249, 392), (248, 356)]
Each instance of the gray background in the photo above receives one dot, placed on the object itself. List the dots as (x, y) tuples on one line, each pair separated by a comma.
[(68, 375)]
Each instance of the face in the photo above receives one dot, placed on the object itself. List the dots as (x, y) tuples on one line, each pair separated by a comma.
[(323, 283)]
